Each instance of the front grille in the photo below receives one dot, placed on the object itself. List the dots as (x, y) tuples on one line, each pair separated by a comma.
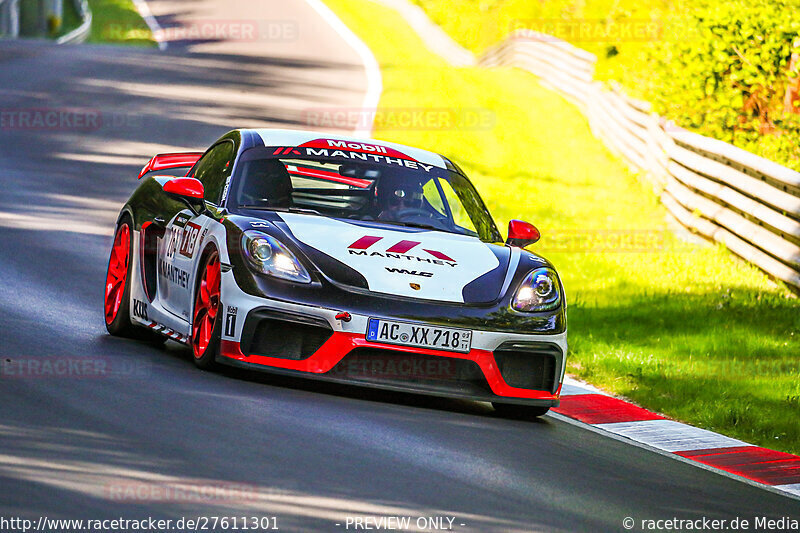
[(282, 335), (533, 366), (411, 370)]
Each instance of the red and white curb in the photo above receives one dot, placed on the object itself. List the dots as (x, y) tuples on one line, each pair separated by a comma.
[(591, 406)]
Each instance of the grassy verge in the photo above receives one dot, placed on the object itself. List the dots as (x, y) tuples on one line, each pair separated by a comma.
[(71, 18), (686, 330), (113, 21), (479, 25), (118, 22)]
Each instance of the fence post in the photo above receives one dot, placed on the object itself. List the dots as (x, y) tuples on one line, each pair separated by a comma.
[(9, 19), (750, 204), (54, 15)]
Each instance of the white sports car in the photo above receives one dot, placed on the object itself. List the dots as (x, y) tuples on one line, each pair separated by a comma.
[(340, 259)]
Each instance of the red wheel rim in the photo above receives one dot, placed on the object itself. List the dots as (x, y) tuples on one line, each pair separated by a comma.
[(206, 306), (117, 272)]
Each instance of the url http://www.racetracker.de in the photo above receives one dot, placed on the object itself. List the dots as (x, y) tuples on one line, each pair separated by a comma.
[(238, 523), (46, 524)]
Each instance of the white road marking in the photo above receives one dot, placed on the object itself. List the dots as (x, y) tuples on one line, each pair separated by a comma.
[(670, 436), (152, 23), (572, 387), (794, 488), (434, 37), (373, 71)]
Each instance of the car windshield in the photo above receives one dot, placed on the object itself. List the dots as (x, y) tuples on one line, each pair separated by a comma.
[(402, 192)]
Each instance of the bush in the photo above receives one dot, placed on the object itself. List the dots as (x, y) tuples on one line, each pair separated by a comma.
[(717, 67), (728, 80)]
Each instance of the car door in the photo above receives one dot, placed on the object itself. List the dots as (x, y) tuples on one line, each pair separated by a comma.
[(183, 239)]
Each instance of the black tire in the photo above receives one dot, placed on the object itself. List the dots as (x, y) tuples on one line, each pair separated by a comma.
[(519, 412), (206, 358), (121, 325)]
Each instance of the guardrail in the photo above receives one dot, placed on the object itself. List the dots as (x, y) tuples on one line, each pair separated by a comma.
[(81, 33), (9, 18), (722, 192), (9, 22)]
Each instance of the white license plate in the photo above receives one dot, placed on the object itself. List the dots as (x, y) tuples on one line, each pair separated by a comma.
[(419, 335)]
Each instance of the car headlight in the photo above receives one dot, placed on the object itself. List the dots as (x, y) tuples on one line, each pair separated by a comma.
[(267, 255), (539, 291)]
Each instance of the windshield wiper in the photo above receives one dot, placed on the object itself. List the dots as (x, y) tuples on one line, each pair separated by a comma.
[(281, 209)]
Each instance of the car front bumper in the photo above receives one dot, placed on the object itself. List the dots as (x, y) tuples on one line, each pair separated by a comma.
[(309, 341)]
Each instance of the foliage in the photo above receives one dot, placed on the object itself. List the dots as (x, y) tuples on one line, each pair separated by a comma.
[(718, 67), (734, 72)]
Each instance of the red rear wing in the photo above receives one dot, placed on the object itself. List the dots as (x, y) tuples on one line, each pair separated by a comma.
[(167, 161)]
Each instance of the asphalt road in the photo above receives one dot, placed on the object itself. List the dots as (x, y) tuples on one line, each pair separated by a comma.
[(140, 432)]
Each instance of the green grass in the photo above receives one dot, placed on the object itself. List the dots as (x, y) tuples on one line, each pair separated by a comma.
[(479, 25), (113, 21), (687, 330), (71, 19), (118, 22), (29, 19)]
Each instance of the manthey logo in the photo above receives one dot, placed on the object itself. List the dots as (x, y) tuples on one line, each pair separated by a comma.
[(401, 250), (354, 146), (358, 147), (361, 151)]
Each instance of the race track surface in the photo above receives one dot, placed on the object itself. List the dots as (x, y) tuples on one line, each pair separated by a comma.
[(136, 437)]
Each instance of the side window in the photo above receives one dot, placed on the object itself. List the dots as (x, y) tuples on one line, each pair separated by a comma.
[(460, 215), (213, 169), (431, 194)]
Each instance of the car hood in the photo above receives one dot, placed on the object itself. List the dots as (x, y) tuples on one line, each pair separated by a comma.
[(400, 261)]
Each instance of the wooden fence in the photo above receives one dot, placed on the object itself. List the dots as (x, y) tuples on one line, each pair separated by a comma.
[(727, 194)]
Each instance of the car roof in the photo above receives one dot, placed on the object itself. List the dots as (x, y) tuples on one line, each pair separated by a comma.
[(294, 138)]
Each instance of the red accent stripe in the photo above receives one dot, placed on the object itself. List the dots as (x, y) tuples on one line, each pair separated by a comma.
[(753, 462), (332, 176), (440, 255), (600, 409), (289, 149), (364, 242), (341, 343), (402, 247), (277, 151)]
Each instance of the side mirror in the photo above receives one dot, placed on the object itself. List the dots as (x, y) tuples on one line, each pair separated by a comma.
[(521, 234), (187, 190)]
